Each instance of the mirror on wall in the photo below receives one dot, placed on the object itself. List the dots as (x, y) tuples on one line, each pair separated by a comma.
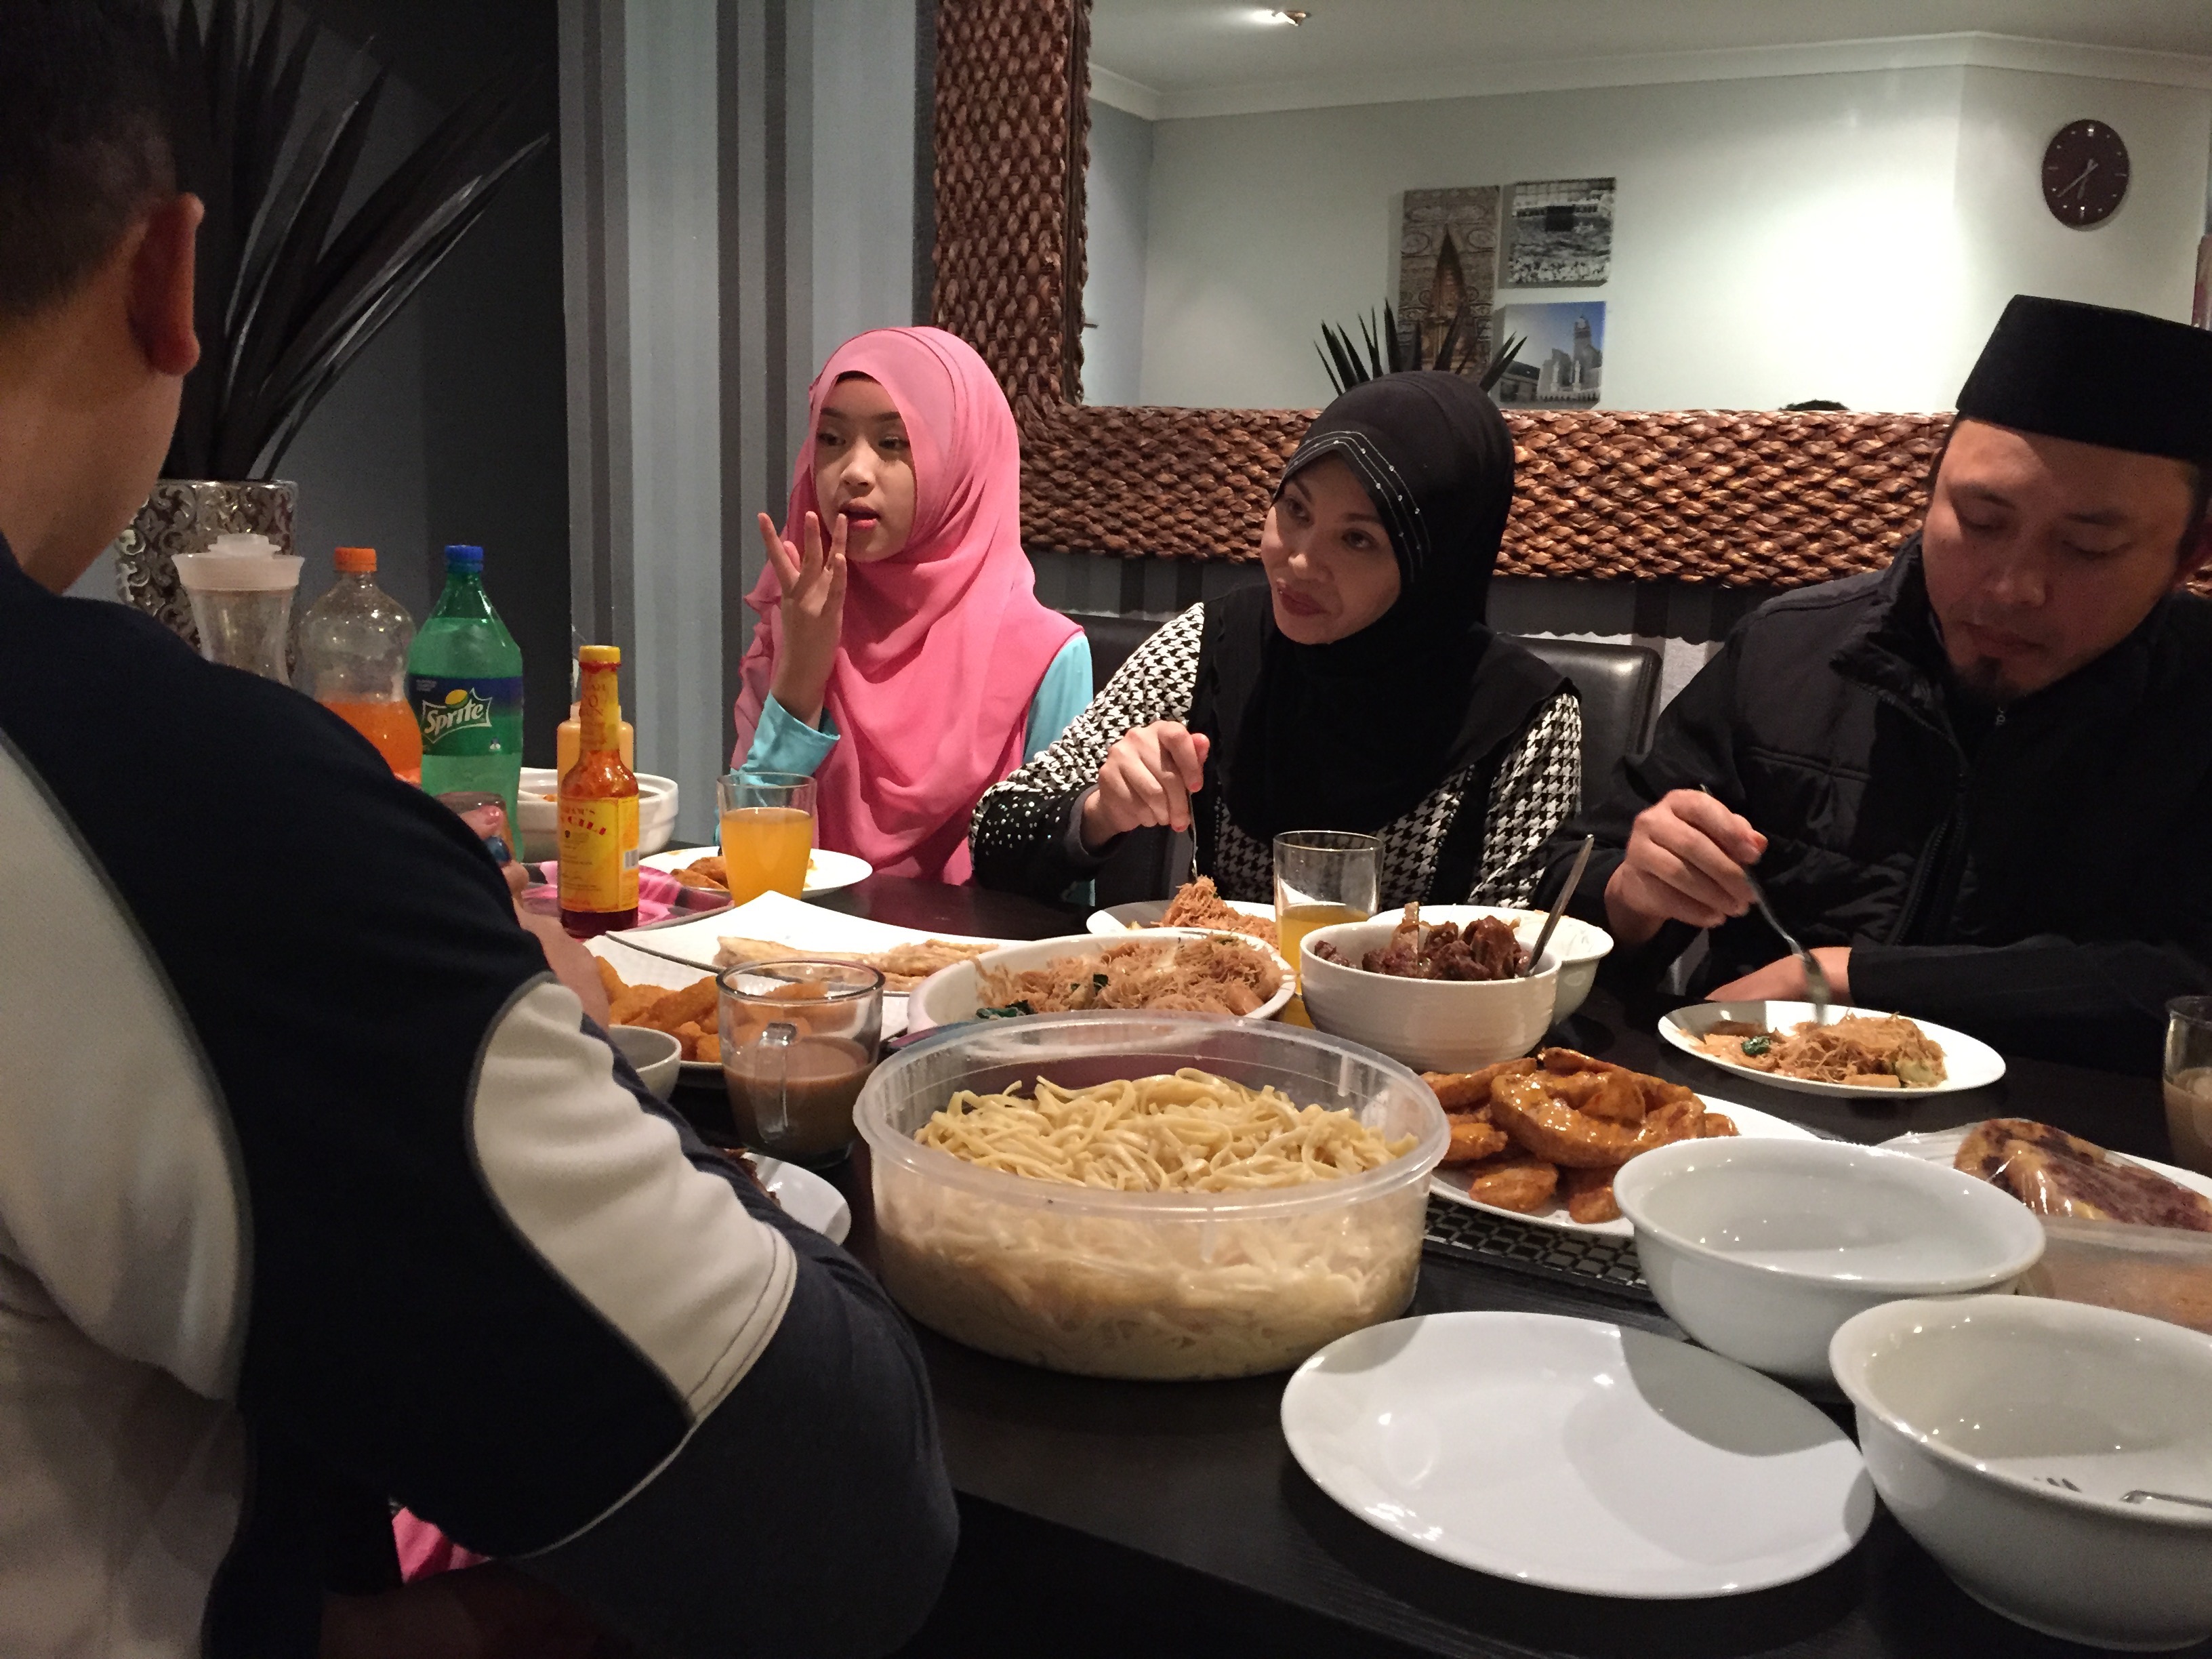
[(1711, 204)]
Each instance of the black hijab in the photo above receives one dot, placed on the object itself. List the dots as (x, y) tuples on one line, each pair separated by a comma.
[(1353, 734)]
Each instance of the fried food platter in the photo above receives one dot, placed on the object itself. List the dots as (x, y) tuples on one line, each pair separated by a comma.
[(1539, 1140)]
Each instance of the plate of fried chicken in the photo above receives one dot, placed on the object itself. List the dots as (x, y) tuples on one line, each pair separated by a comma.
[(1540, 1138)]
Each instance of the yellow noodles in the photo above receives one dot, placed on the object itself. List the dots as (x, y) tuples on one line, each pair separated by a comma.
[(1190, 1133)]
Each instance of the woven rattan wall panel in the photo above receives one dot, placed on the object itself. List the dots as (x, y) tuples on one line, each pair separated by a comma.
[(1743, 499)]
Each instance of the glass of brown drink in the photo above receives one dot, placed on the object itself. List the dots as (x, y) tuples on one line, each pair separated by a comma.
[(798, 1039), (2189, 1081)]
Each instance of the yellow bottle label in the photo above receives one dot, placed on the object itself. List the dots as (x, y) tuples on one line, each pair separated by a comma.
[(598, 854)]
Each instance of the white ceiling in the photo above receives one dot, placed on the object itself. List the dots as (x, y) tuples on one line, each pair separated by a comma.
[(1171, 58)]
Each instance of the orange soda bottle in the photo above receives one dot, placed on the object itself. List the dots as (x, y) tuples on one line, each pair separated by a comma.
[(598, 810), (351, 647)]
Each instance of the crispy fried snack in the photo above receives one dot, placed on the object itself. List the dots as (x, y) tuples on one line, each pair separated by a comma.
[(1589, 1195), (693, 1004), (1469, 1092), (1473, 1137), (1514, 1181), (692, 1036), (609, 981), (710, 1048), (1550, 1128)]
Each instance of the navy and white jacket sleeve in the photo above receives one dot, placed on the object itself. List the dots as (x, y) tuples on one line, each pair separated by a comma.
[(297, 1133)]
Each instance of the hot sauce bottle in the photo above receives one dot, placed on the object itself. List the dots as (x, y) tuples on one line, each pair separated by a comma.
[(598, 810)]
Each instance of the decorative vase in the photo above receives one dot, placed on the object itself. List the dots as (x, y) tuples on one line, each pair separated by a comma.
[(185, 515)]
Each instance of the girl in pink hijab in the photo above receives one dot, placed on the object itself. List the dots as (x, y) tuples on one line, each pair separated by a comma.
[(902, 657)]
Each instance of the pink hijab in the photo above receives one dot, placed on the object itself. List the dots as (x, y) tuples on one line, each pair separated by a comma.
[(945, 643)]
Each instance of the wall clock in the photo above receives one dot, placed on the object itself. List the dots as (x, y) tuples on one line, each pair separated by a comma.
[(2085, 173)]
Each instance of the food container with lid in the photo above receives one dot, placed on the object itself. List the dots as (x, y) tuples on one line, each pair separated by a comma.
[(1162, 1285)]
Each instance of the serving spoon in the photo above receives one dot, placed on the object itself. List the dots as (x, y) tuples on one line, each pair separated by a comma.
[(1559, 906), (1816, 978)]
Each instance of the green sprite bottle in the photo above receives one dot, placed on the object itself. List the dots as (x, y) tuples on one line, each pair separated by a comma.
[(464, 683)]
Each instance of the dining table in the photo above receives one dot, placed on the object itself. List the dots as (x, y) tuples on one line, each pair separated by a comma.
[(1126, 1518)]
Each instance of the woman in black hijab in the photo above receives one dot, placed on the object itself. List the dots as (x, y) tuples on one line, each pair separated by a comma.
[(1359, 689)]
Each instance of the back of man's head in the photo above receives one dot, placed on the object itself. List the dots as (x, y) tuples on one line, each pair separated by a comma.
[(84, 142)]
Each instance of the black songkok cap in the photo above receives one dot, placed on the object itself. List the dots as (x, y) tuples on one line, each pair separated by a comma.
[(2098, 376)]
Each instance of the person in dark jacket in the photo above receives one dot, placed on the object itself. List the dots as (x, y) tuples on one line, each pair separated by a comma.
[(1977, 784)]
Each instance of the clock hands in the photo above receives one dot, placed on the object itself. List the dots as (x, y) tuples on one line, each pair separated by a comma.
[(2074, 187)]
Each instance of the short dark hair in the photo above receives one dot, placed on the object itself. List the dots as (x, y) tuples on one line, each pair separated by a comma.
[(84, 139)]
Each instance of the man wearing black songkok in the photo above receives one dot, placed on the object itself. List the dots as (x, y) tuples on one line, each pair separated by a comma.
[(1978, 783)]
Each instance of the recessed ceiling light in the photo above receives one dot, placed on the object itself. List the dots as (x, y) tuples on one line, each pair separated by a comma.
[(1279, 15)]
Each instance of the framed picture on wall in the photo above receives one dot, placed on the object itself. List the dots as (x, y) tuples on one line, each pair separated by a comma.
[(1558, 234), (1563, 364), (1447, 264)]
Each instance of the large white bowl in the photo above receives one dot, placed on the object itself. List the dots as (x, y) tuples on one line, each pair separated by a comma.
[(1578, 945), (540, 827), (949, 995), (1433, 1024), (2003, 1431), (1761, 1248)]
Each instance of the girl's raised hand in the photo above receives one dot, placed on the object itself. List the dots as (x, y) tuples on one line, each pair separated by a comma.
[(813, 583)]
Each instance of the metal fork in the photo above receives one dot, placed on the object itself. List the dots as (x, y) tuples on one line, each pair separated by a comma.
[(1816, 979)]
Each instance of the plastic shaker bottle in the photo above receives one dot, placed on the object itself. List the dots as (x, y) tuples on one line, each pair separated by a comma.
[(242, 591), (464, 682), (350, 656)]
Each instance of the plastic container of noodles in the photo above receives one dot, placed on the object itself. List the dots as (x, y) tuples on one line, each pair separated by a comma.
[(1156, 1284)]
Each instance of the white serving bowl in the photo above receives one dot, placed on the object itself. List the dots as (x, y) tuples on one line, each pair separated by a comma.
[(1578, 945), (950, 995), (658, 1056), (1431, 1024), (540, 826), (1761, 1248), (2001, 1433)]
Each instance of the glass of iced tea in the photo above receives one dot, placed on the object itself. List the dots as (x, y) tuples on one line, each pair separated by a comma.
[(798, 1039), (1322, 877), (768, 830), (2189, 1081)]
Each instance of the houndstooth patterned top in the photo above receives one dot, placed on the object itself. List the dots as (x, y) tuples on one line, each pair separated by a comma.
[(1018, 824)]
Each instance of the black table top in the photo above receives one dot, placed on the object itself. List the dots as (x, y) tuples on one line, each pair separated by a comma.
[(1190, 1490)]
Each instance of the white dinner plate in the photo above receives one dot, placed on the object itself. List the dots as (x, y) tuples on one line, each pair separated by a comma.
[(1942, 1147), (1146, 913), (1968, 1063), (806, 1197), (1451, 1183), (826, 871), (1577, 1454)]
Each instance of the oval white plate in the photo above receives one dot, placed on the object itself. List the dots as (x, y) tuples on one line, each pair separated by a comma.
[(826, 871), (1968, 1063), (951, 989), (1577, 1454), (1145, 913), (806, 1197), (1942, 1147), (1749, 1121)]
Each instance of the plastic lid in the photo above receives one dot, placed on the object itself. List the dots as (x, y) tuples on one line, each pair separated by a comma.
[(601, 656), (354, 561), (460, 556), (240, 564)]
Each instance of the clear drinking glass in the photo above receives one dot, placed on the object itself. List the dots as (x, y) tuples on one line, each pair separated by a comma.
[(799, 1040), (2189, 1081), (1322, 877), (768, 832)]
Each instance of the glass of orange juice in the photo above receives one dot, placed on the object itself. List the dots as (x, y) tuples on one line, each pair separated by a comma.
[(1322, 877), (768, 830)]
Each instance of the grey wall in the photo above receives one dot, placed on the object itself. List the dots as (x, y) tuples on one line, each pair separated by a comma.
[(741, 198), (1117, 195)]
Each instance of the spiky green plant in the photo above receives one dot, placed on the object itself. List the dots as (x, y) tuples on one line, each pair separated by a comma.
[(289, 296), (1390, 352)]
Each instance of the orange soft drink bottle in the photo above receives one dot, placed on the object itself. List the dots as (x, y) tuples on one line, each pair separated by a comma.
[(598, 810), (352, 649)]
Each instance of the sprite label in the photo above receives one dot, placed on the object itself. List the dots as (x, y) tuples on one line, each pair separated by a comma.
[(464, 716)]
